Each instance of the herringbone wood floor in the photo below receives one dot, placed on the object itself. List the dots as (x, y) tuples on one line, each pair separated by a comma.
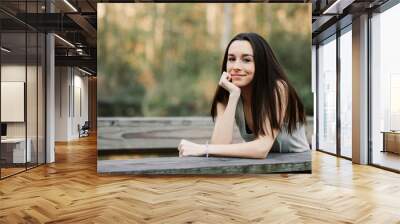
[(70, 191)]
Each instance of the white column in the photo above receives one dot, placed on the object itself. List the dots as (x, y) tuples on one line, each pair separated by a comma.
[(314, 91), (50, 92), (360, 90), (50, 99)]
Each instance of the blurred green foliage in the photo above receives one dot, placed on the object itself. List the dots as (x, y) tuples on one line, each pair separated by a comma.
[(165, 59)]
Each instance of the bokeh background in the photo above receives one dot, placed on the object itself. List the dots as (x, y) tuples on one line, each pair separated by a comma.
[(165, 59)]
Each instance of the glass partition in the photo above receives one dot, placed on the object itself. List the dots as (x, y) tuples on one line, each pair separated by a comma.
[(22, 87), (31, 99), (14, 151)]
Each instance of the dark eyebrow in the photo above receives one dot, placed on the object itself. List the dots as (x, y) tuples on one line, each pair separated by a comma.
[(244, 55)]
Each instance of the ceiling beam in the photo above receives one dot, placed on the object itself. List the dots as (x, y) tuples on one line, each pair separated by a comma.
[(84, 24), (337, 7), (82, 61)]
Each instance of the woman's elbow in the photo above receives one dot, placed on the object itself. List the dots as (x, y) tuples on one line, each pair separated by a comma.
[(264, 155), (261, 153), (263, 149)]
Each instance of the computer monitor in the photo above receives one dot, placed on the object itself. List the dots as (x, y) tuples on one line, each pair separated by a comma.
[(3, 129)]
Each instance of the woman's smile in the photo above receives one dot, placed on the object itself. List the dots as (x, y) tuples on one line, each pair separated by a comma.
[(237, 76)]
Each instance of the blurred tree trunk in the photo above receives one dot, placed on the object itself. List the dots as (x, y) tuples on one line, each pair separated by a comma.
[(159, 26), (227, 27), (268, 17)]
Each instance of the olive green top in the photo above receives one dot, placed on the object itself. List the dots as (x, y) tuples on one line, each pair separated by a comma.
[(284, 142)]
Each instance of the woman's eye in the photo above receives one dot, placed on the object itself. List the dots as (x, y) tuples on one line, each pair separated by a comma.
[(231, 59), (247, 60)]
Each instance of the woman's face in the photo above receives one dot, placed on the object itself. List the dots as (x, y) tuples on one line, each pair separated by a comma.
[(240, 63)]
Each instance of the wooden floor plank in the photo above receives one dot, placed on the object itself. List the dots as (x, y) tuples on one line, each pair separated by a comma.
[(71, 191)]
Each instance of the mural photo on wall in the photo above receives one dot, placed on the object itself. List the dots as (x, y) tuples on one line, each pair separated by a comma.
[(204, 88)]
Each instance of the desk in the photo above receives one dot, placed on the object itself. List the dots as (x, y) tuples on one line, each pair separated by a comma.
[(16, 147), (391, 141)]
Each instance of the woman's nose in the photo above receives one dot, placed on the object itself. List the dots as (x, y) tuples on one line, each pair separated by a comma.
[(237, 65)]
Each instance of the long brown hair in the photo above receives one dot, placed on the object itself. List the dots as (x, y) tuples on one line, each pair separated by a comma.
[(266, 96)]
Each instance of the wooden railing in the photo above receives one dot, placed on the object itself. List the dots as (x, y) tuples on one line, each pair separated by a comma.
[(141, 134), (155, 132), (117, 133)]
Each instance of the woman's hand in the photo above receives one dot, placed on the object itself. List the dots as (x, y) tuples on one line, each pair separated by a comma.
[(225, 82), (188, 148)]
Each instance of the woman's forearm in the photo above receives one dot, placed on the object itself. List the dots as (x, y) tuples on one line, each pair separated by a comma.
[(257, 149), (223, 129)]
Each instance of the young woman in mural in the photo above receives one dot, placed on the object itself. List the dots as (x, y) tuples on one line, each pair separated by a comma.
[(255, 93)]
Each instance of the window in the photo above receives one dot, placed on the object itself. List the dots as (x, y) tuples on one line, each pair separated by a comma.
[(327, 96), (385, 88), (346, 75)]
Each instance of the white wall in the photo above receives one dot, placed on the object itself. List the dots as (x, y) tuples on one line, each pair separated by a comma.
[(80, 94), (62, 81), (70, 83), (13, 73)]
